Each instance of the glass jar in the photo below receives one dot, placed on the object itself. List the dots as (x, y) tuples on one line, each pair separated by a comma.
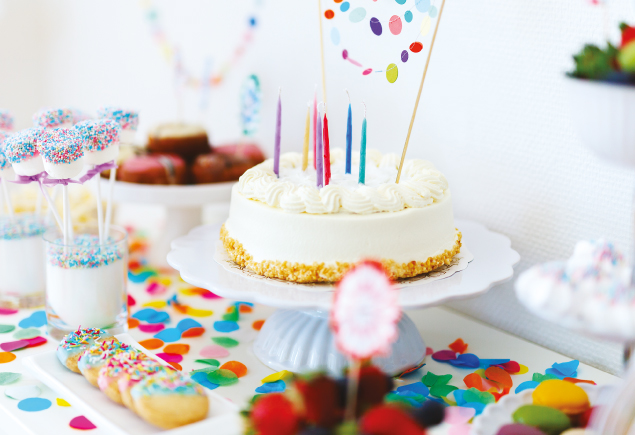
[(86, 283), (22, 271)]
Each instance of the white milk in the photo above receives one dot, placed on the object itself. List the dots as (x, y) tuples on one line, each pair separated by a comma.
[(22, 270), (87, 297)]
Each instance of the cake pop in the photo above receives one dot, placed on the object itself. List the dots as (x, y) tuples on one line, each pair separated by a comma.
[(62, 152), (6, 120), (127, 119), (6, 170), (21, 151), (52, 118), (78, 116), (101, 140)]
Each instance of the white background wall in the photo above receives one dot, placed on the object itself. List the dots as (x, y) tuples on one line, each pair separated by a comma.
[(493, 114)]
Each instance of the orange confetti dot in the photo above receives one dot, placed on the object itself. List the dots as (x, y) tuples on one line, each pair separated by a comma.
[(179, 348), (473, 380), (176, 366), (230, 309), (499, 375), (257, 325), (6, 357), (194, 332), (237, 367), (337, 1), (458, 346), (132, 323), (180, 308), (245, 309), (329, 14), (579, 381), (152, 343)]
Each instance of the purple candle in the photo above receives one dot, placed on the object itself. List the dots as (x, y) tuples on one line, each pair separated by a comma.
[(276, 149), (319, 153)]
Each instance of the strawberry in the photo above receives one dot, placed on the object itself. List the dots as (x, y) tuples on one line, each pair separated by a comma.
[(388, 420), (628, 35), (373, 386), (320, 401), (273, 414)]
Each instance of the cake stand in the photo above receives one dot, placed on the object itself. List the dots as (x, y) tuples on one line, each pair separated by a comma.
[(298, 338), (184, 206)]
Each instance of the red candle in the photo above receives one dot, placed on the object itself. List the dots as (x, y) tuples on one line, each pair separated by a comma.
[(327, 152)]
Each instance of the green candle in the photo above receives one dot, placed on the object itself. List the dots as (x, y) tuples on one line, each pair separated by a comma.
[(362, 154)]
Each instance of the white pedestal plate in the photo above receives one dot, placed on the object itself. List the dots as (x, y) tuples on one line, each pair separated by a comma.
[(297, 337)]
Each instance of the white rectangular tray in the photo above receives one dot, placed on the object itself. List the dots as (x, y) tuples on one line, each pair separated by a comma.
[(223, 417)]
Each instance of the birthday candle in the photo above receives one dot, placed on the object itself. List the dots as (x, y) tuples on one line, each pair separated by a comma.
[(349, 136), (319, 168), (327, 153), (315, 118), (305, 149), (276, 150), (362, 153)]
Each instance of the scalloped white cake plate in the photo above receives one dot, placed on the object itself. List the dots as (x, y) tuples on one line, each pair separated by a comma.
[(499, 414), (298, 338), (223, 417)]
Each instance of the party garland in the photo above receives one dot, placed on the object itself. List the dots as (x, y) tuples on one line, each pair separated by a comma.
[(395, 25), (209, 78)]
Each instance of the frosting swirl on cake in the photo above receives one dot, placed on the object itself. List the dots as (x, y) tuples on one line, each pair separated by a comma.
[(296, 192)]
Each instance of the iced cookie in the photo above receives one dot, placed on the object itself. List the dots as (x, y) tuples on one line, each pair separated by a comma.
[(170, 399), (116, 368), (97, 356), (132, 377), (74, 344)]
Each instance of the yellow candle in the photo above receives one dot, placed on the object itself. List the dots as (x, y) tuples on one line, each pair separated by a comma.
[(305, 150)]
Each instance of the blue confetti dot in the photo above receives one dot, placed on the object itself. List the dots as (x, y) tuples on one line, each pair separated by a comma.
[(417, 387), (252, 22), (466, 360), (422, 5), (433, 12), (527, 385), (169, 335), (272, 387), (335, 36), (345, 6), (400, 2), (158, 317), (568, 368), (35, 320), (408, 16), (225, 326), (141, 277), (201, 378), (485, 363), (186, 324), (144, 314), (34, 404), (458, 397), (477, 406)]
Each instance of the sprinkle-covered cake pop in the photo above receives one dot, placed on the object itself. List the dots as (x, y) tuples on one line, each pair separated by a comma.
[(22, 152), (74, 344), (97, 356), (6, 120), (52, 118), (62, 151), (170, 399), (101, 140), (6, 170), (79, 115), (127, 119)]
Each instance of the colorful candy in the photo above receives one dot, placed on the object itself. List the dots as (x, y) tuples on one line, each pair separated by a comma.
[(519, 429), (61, 145)]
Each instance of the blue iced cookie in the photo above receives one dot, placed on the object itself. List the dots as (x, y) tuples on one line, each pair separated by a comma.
[(74, 344)]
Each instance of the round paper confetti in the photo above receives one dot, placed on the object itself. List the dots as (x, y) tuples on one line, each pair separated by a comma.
[(150, 329), (35, 320), (423, 5), (186, 324), (170, 357), (193, 332), (34, 404), (211, 362), (225, 341), (375, 26), (176, 365), (6, 328), (177, 348), (6, 357), (7, 378), (22, 392), (426, 24), (26, 333), (238, 368), (395, 25), (404, 56), (214, 351), (416, 47), (169, 335), (407, 16), (132, 323), (392, 73), (345, 6), (226, 326), (244, 308), (433, 12), (357, 15), (222, 377), (400, 2), (272, 387), (335, 36), (152, 343), (82, 423), (329, 14), (62, 402), (201, 378), (257, 325), (7, 311)]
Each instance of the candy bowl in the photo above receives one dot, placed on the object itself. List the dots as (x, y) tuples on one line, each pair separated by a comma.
[(499, 414)]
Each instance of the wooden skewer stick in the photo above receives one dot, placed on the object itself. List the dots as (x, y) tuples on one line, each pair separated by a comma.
[(322, 54), (423, 78)]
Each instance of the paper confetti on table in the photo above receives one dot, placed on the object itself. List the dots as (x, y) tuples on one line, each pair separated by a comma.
[(257, 325), (26, 333), (35, 320), (209, 361), (7, 378), (35, 341), (6, 357), (169, 335), (170, 357), (272, 387), (458, 346), (150, 329), (225, 326), (10, 346), (4, 329), (152, 343), (34, 404), (193, 332), (7, 311), (22, 392), (238, 368), (214, 351), (132, 323), (225, 341), (281, 375), (222, 377), (155, 304), (178, 348), (186, 324), (62, 402), (81, 423), (201, 378)]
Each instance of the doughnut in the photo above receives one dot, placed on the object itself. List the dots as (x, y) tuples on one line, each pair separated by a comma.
[(226, 163), (74, 344), (97, 356), (100, 140), (185, 140), (153, 169), (62, 151)]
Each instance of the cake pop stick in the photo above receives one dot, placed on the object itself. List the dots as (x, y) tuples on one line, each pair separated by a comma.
[(6, 174), (111, 185), (101, 144)]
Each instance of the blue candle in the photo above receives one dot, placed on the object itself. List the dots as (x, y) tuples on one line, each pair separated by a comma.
[(362, 153), (349, 136), (318, 154), (276, 149)]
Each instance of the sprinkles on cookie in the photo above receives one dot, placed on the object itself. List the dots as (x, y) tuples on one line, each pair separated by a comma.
[(6, 120), (168, 382), (81, 337), (61, 145), (22, 145), (127, 119), (98, 134), (50, 118)]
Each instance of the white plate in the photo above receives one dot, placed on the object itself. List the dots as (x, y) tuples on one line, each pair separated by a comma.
[(193, 256), (499, 414), (223, 418)]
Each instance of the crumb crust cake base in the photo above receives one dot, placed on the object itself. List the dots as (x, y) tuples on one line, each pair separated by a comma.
[(322, 272)]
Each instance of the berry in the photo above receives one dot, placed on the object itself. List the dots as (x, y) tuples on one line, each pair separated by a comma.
[(373, 386), (320, 401), (430, 414), (273, 414), (628, 35), (388, 420)]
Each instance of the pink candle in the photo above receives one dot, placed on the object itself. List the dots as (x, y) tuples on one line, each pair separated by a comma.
[(327, 153), (315, 118), (319, 166)]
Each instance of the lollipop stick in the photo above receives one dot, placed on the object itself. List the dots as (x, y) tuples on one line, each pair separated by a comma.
[(38, 203), (52, 208), (100, 211), (66, 212), (5, 189), (111, 185), (351, 393)]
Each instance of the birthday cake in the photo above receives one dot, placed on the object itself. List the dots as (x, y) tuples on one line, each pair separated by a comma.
[(285, 227)]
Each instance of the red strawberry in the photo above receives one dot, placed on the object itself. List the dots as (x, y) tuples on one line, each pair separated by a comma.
[(320, 401), (628, 35), (388, 420), (273, 414), (373, 386)]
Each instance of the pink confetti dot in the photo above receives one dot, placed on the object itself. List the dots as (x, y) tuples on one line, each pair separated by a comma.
[(170, 357), (214, 351), (82, 423), (152, 328)]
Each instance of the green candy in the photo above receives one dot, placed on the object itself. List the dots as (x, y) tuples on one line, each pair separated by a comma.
[(539, 377), (222, 377), (549, 420)]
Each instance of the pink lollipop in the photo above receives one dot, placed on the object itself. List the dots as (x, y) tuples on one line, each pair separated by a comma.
[(365, 312)]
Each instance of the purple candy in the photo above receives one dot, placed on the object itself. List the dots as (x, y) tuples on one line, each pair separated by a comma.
[(519, 429)]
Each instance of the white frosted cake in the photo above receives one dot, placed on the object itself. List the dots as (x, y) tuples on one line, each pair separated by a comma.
[(287, 228)]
